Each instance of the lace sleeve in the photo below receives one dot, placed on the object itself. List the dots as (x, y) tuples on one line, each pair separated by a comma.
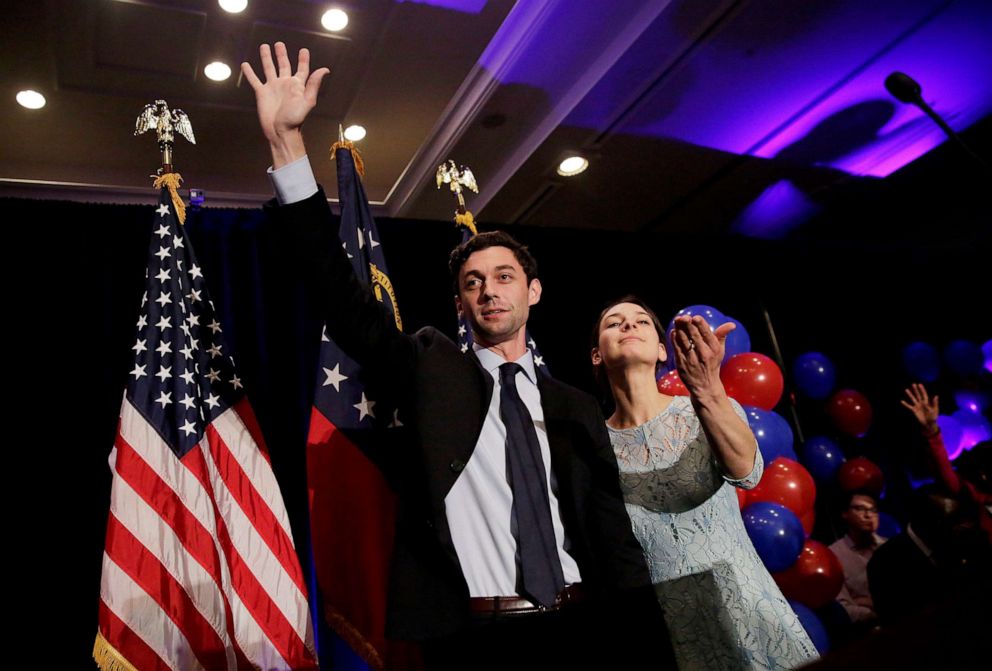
[(749, 481)]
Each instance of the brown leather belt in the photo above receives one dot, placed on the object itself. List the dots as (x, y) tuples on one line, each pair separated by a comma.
[(511, 605)]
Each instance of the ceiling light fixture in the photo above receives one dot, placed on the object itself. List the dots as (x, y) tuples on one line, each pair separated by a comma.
[(334, 20), (30, 99), (233, 6), (217, 71), (354, 133), (572, 165)]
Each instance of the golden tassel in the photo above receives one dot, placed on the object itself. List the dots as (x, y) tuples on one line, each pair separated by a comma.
[(466, 220), (349, 145), (353, 638), (107, 657), (172, 180)]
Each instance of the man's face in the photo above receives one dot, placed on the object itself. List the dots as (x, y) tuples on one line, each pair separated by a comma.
[(862, 514), (495, 296)]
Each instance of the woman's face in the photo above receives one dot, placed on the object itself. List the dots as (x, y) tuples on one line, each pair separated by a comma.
[(627, 336)]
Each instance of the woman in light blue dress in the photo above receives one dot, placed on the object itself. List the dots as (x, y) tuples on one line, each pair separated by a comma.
[(680, 459)]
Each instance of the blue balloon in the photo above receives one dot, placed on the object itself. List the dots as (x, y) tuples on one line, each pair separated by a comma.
[(974, 428), (738, 341), (987, 353), (773, 433), (964, 357), (921, 361), (973, 400), (814, 374), (888, 526), (811, 623), (822, 457), (712, 316), (776, 532)]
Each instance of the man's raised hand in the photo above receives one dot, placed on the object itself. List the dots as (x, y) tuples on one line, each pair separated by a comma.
[(284, 100)]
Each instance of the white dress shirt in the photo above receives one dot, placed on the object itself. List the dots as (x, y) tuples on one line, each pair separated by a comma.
[(478, 505)]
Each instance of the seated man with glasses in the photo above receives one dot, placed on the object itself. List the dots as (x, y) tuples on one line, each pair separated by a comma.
[(854, 550)]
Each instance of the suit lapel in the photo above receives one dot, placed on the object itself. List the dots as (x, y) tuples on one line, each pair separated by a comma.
[(557, 416)]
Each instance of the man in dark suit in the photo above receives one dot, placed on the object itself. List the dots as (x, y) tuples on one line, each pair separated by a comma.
[(513, 546)]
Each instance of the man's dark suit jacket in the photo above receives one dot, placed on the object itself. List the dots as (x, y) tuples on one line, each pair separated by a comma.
[(443, 396)]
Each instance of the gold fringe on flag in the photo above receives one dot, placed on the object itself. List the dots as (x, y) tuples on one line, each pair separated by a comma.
[(466, 220), (107, 657), (172, 180), (350, 146), (363, 648)]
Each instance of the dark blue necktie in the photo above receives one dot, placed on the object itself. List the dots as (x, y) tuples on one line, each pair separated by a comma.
[(541, 577)]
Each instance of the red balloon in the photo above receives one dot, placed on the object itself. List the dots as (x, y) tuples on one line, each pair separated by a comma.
[(753, 379), (670, 383), (851, 412), (816, 577), (741, 497), (786, 482), (861, 473), (809, 521)]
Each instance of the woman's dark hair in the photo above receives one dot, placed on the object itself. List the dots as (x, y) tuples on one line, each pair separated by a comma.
[(598, 371)]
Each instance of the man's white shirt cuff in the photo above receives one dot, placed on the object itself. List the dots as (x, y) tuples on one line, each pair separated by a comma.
[(294, 181)]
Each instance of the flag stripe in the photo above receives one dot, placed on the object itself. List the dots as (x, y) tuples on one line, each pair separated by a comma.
[(199, 544), (192, 478), (256, 599), (143, 616), (191, 489), (267, 567), (125, 550), (127, 643), (255, 488), (146, 484)]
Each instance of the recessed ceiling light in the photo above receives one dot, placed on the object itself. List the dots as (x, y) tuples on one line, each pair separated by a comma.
[(30, 99), (217, 71), (572, 165), (334, 20), (354, 133), (233, 6)]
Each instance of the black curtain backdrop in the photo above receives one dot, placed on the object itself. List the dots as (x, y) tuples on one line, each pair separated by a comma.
[(76, 273)]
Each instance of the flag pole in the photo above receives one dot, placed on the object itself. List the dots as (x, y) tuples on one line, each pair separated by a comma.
[(166, 123), (458, 180)]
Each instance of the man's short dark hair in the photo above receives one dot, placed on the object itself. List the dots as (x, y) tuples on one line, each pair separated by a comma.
[(460, 254), (848, 496)]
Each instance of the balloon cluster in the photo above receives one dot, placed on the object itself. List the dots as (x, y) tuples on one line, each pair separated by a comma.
[(779, 512), (968, 426)]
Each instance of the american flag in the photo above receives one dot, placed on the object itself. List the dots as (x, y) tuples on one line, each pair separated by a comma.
[(199, 567)]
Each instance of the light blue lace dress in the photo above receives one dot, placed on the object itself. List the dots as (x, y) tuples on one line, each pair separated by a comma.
[(722, 607)]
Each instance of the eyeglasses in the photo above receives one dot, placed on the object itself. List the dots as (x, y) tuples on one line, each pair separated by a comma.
[(871, 510)]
